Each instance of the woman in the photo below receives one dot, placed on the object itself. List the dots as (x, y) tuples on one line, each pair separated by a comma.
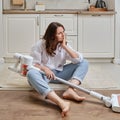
[(50, 55)]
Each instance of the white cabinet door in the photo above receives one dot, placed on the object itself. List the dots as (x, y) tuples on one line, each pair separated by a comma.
[(96, 35), (68, 20), (20, 33), (72, 40)]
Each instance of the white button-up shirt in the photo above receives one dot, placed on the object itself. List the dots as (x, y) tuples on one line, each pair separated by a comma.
[(57, 62)]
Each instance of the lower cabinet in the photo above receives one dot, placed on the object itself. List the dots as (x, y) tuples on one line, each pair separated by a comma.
[(21, 31), (96, 36), (72, 40)]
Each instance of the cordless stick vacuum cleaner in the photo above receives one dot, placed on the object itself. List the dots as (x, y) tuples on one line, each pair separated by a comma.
[(24, 62)]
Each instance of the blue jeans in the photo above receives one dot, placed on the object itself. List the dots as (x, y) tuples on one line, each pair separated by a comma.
[(40, 82)]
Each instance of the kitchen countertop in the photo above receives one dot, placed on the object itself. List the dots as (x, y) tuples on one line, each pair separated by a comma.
[(59, 11)]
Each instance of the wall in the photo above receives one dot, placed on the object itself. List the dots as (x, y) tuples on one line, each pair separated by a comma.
[(58, 4)]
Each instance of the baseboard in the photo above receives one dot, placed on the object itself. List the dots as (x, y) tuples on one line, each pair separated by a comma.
[(107, 60), (104, 60), (53, 86)]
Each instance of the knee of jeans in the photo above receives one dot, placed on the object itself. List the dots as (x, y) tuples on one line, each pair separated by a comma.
[(85, 63), (30, 73)]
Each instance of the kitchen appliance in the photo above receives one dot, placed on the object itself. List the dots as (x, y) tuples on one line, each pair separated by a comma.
[(100, 4), (22, 62)]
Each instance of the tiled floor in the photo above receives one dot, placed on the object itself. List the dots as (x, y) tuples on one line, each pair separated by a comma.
[(99, 76)]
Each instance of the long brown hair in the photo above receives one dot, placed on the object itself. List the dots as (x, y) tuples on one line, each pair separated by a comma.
[(49, 36)]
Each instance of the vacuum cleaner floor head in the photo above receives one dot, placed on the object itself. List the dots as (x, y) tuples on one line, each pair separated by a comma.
[(115, 98)]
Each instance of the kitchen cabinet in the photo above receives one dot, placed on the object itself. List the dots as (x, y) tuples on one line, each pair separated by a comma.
[(72, 40), (93, 35), (96, 35), (21, 31), (68, 20)]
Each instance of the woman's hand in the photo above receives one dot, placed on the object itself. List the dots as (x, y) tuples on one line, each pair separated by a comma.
[(63, 44), (50, 75), (68, 50)]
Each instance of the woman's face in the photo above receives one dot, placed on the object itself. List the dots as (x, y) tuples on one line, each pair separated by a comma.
[(60, 34)]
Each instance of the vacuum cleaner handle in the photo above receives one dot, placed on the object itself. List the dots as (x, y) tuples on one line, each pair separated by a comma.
[(73, 85), (106, 100), (99, 96)]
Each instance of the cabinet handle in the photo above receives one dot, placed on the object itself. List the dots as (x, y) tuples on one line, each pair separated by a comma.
[(60, 15), (96, 15), (38, 20)]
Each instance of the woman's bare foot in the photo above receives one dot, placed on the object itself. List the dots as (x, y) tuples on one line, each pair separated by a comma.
[(72, 95), (65, 106)]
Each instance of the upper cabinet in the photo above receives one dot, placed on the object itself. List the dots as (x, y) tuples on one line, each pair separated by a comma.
[(96, 35), (21, 31)]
